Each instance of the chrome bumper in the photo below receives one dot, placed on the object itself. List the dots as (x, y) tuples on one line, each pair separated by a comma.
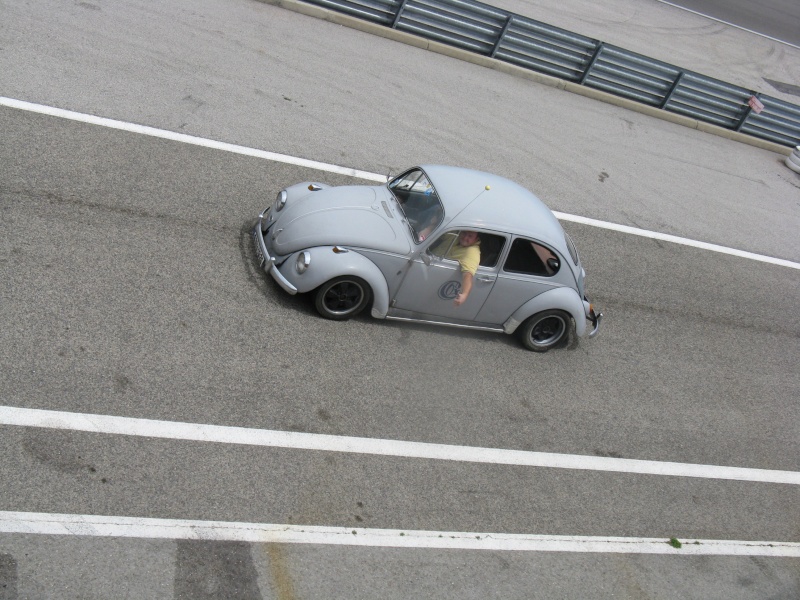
[(266, 261), (595, 319)]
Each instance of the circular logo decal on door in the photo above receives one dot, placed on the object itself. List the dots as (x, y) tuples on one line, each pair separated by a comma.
[(449, 290)]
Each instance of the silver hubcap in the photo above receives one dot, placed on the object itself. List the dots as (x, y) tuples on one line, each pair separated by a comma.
[(548, 330), (344, 297)]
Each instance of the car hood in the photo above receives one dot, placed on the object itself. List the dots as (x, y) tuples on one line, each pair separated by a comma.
[(357, 216)]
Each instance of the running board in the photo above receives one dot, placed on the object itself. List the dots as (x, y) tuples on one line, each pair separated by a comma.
[(424, 322)]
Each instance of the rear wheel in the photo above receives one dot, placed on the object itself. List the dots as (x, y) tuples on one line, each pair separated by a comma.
[(545, 330), (342, 297)]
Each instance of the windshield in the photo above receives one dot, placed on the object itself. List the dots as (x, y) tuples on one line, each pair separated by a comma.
[(419, 202)]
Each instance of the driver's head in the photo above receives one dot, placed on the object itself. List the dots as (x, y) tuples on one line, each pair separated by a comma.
[(467, 238)]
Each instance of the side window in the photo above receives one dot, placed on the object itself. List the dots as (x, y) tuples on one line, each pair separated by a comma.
[(491, 247), (452, 246), (530, 258), (444, 245)]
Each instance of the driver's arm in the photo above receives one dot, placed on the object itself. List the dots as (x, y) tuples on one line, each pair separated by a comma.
[(466, 287)]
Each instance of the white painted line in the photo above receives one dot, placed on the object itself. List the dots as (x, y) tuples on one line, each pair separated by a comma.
[(179, 529), (185, 139), (677, 240), (29, 417), (734, 25), (310, 164)]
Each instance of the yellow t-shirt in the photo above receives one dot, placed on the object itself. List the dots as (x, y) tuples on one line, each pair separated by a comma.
[(469, 257)]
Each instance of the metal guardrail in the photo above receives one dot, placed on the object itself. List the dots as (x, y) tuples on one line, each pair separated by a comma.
[(530, 44)]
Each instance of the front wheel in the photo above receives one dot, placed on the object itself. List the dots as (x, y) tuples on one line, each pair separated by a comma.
[(545, 330), (342, 297)]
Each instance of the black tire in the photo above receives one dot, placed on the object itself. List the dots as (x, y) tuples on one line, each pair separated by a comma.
[(545, 330), (342, 297)]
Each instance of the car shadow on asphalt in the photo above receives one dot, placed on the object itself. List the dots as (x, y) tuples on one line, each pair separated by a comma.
[(264, 282)]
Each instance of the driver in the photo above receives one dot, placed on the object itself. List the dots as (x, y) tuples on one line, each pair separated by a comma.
[(467, 252)]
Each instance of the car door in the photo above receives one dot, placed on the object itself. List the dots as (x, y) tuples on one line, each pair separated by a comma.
[(433, 279), (529, 269)]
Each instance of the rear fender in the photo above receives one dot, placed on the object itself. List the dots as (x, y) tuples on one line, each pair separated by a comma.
[(562, 298), (326, 264)]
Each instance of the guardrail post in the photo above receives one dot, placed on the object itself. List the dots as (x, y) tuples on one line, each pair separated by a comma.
[(748, 111), (672, 89), (595, 56), (399, 12), (502, 35)]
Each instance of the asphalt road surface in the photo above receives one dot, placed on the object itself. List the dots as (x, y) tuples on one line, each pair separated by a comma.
[(688, 40), (130, 289), (779, 19)]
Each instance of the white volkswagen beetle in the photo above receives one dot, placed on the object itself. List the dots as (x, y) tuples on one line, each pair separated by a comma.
[(437, 244)]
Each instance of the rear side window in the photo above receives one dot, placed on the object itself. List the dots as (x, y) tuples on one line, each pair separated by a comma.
[(531, 258)]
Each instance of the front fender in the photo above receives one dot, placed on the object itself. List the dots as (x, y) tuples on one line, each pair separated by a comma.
[(326, 264), (562, 298), (300, 190)]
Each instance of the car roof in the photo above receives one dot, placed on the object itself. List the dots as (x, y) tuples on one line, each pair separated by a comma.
[(483, 200)]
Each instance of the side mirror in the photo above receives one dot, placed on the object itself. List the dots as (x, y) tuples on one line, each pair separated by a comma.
[(553, 264)]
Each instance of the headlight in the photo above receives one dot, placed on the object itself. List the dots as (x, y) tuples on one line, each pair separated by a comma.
[(303, 260), (280, 200)]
